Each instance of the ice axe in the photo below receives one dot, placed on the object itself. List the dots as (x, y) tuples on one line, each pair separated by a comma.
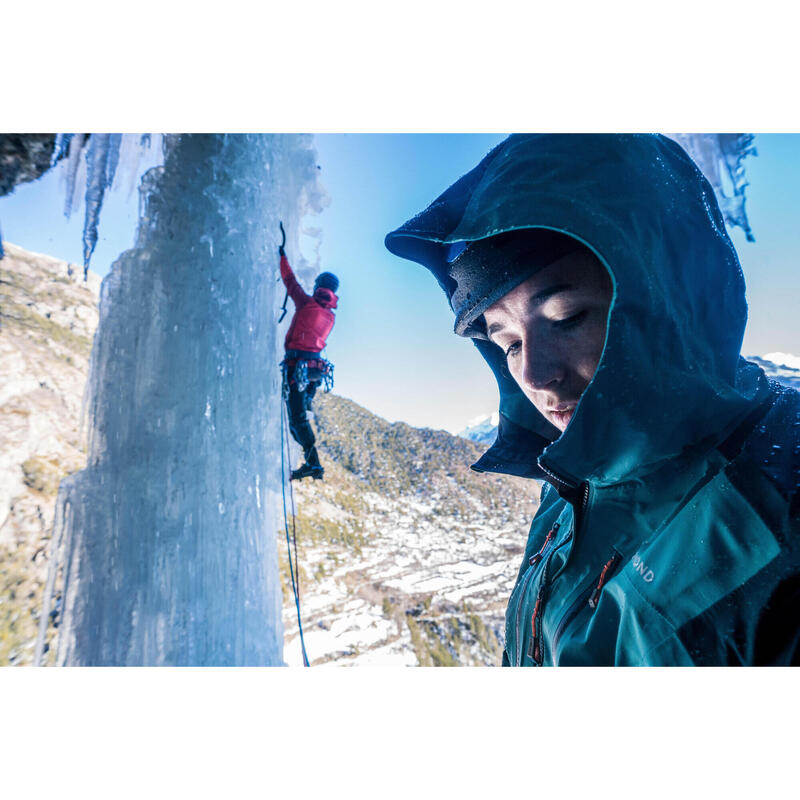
[(283, 253)]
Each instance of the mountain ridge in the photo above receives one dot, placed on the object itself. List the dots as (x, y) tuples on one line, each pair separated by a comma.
[(407, 556)]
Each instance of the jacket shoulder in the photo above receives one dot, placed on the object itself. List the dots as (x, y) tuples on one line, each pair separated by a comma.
[(770, 455)]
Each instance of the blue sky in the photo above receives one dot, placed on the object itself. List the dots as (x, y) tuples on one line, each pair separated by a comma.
[(393, 345)]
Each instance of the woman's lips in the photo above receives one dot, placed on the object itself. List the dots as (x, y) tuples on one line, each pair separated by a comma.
[(562, 415)]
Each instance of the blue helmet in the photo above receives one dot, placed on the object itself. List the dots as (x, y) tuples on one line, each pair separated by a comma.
[(326, 280)]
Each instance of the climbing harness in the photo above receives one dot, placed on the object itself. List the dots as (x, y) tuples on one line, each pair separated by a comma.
[(301, 377), (295, 575), (286, 296)]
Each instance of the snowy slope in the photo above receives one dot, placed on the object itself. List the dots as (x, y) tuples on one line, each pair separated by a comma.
[(781, 367), (407, 556)]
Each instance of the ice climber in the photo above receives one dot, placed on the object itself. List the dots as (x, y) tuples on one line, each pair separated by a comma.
[(304, 367), (595, 276)]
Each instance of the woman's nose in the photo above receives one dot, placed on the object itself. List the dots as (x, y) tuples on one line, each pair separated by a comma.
[(542, 368)]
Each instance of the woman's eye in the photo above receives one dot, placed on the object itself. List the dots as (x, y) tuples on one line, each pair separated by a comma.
[(513, 349), (570, 322)]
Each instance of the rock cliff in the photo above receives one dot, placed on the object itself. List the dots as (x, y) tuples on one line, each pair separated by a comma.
[(48, 316)]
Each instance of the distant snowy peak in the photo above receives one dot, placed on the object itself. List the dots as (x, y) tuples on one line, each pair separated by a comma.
[(482, 429), (783, 360), (781, 367)]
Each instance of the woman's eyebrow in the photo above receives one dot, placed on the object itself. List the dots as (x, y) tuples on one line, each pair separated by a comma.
[(535, 299), (544, 294), (493, 328)]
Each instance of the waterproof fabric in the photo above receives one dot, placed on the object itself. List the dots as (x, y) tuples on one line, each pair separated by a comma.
[(298, 404), (313, 318), (479, 282), (672, 511)]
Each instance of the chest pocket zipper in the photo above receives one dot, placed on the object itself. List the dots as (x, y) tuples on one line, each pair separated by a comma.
[(535, 647), (605, 575), (588, 597)]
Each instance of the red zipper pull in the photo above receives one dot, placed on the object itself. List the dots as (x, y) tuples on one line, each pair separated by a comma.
[(537, 557), (604, 576), (535, 646)]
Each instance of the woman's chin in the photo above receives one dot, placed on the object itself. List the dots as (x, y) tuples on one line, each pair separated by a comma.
[(561, 418)]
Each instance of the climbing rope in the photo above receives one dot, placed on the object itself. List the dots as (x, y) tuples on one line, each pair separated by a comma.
[(295, 580)]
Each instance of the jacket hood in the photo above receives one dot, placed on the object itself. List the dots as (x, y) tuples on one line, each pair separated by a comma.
[(670, 376), (326, 298)]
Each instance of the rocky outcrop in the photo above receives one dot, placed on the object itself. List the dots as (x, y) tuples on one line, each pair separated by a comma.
[(48, 316), (23, 157)]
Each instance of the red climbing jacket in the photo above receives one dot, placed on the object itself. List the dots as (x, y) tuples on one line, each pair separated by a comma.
[(313, 319)]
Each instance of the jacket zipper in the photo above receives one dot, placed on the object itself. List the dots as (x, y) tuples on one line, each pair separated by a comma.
[(536, 647), (533, 561), (538, 611), (588, 597)]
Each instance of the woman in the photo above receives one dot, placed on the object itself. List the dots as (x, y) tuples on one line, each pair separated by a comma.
[(595, 276), (306, 337)]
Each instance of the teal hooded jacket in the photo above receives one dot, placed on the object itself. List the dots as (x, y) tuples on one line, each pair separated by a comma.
[(669, 528)]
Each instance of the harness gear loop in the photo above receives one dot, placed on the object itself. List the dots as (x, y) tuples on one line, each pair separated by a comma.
[(301, 377)]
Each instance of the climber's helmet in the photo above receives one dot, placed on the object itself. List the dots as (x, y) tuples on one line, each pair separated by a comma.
[(326, 280)]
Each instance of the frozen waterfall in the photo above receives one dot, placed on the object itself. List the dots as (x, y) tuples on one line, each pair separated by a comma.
[(169, 534)]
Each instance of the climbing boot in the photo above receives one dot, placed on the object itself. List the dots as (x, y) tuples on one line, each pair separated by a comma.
[(312, 457), (316, 472)]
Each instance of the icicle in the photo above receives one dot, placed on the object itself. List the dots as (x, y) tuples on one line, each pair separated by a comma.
[(61, 147), (76, 144), (719, 156), (114, 143), (735, 146), (102, 157), (134, 149)]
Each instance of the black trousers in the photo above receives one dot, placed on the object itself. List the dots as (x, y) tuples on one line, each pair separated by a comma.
[(299, 403)]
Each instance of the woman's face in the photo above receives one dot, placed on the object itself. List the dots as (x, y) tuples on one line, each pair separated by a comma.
[(552, 328)]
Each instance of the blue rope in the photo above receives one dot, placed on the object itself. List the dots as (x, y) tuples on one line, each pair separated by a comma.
[(286, 528)]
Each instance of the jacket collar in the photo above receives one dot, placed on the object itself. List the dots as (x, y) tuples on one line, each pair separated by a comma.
[(325, 297)]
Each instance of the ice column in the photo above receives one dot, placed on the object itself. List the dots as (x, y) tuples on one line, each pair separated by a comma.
[(170, 531)]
